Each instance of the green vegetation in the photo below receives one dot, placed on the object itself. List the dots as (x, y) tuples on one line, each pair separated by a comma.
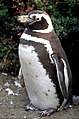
[(65, 18)]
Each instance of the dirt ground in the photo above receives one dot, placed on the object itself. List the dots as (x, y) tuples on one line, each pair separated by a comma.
[(13, 97)]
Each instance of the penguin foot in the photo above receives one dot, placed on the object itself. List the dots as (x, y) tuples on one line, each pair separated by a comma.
[(30, 106), (46, 112)]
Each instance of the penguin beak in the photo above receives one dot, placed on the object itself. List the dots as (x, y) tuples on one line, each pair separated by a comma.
[(24, 19)]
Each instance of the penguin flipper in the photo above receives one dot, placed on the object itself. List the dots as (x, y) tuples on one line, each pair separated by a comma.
[(62, 74)]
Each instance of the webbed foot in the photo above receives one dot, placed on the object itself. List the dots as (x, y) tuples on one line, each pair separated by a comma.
[(30, 106), (46, 112)]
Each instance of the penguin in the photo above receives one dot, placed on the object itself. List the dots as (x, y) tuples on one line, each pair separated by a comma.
[(44, 65)]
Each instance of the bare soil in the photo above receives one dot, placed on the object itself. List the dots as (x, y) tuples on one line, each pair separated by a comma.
[(12, 105)]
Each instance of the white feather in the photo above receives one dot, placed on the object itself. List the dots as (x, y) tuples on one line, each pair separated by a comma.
[(41, 90), (39, 40), (66, 74)]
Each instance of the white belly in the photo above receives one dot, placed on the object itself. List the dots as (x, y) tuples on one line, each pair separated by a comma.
[(41, 90)]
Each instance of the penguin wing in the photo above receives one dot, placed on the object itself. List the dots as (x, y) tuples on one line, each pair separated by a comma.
[(62, 74)]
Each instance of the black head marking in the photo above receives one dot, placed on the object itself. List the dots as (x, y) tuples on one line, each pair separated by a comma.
[(39, 21), (38, 24)]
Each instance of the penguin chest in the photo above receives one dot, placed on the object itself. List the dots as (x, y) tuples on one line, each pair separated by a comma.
[(41, 90)]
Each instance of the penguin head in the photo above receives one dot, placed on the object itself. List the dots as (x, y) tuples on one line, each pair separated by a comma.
[(37, 21)]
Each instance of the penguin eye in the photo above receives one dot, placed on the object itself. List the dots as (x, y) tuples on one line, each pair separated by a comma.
[(37, 18), (34, 18)]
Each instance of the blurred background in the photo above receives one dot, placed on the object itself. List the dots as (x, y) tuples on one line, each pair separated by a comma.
[(65, 19)]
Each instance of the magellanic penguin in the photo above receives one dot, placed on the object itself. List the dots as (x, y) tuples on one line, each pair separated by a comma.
[(44, 65)]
